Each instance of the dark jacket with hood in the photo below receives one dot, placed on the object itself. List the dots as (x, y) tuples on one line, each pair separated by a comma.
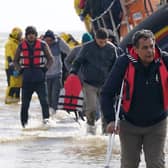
[(147, 107)]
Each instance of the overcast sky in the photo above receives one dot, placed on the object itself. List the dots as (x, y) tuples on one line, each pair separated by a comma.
[(57, 15)]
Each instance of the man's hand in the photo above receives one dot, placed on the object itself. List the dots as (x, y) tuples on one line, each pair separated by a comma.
[(111, 128), (81, 17)]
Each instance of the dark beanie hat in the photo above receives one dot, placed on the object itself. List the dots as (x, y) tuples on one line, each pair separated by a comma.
[(30, 29), (86, 37), (49, 33)]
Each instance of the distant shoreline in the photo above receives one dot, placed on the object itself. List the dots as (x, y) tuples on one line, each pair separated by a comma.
[(76, 33)]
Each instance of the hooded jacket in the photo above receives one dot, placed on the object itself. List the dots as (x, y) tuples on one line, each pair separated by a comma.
[(11, 45), (58, 47), (145, 86)]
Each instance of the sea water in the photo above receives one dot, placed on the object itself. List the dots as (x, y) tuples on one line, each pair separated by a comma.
[(62, 144)]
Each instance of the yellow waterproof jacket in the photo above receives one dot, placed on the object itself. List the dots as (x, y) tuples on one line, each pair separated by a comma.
[(86, 19), (11, 45), (76, 6), (69, 39)]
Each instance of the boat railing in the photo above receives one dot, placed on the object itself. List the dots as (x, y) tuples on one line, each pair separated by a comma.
[(148, 7), (100, 19)]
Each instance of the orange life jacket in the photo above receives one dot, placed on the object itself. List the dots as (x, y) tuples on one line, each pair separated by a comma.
[(136, 12), (38, 59), (129, 80)]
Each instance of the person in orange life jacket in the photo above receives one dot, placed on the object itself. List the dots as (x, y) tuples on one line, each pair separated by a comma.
[(54, 73), (33, 57), (95, 60), (143, 113)]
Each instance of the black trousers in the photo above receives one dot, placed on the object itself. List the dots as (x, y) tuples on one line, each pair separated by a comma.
[(27, 91)]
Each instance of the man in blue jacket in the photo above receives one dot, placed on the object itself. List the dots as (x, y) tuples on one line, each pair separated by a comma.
[(95, 60), (143, 124)]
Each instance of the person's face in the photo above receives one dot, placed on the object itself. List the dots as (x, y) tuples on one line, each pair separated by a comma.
[(20, 36), (101, 42), (31, 37), (49, 40), (146, 50)]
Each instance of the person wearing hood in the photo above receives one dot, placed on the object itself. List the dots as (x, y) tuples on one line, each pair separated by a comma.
[(33, 58), (143, 113), (13, 79), (54, 73)]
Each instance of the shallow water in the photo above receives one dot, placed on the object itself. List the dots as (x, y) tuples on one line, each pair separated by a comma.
[(62, 145)]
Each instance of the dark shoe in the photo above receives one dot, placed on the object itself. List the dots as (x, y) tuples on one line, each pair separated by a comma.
[(23, 124)]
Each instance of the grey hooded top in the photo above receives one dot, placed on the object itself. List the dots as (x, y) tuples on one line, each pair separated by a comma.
[(58, 47)]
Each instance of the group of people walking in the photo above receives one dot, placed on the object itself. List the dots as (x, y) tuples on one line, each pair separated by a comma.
[(38, 63), (102, 68)]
